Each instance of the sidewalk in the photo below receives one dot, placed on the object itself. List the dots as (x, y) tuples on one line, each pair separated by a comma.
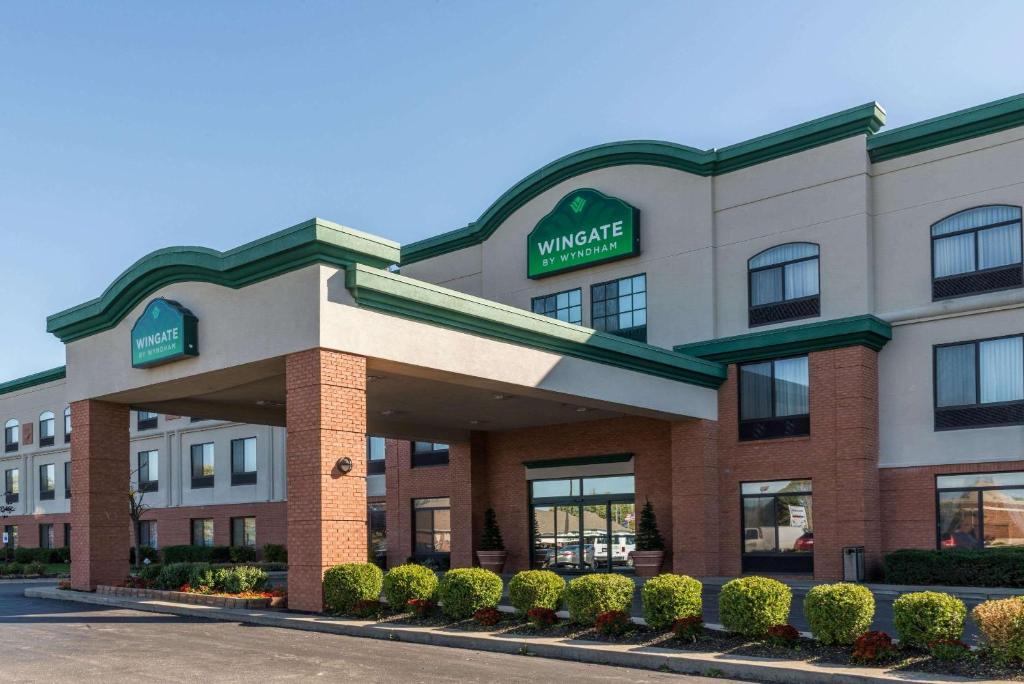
[(653, 658)]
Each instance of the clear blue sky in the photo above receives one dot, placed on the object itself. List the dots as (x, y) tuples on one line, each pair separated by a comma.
[(126, 127)]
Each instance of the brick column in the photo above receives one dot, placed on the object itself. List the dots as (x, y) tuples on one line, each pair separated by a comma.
[(467, 472), (99, 493), (695, 539), (326, 421)]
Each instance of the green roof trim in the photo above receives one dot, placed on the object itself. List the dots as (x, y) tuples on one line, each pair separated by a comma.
[(965, 124), (381, 290), (313, 241), (578, 461), (40, 378), (865, 119), (869, 331)]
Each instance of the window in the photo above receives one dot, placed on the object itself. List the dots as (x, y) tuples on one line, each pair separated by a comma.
[(202, 465), (375, 455), (67, 479), (778, 526), (146, 420), (47, 481), (977, 250), (67, 535), (429, 454), (432, 529), (565, 306), (12, 485), (11, 536), (46, 536), (147, 534), (149, 471), (243, 461), (202, 532), (67, 424), (980, 383), (46, 428), (376, 514), (783, 284), (11, 435), (774, 399), (620, 307), (980, 511), (243, 531)]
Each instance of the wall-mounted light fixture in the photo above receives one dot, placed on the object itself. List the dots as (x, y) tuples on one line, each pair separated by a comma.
[(344, 465)]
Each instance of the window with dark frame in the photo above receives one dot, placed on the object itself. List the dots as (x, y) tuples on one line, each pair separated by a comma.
[(46, 428), (11, 430), (202, 465), (429, 454), (979, 510), (46, 540), (146, 420), (778, 526), (783, 284), (67, 424), (774, 399), (243, 531), (67, 479), (979, 383), (432, 529), (565, 306), (149, 471), (12, 485), (619, 307), (243, 461), (47, 482), (202, 532), (67, 535), (377, 526), (977, 250), (148, 534), (375, 453)]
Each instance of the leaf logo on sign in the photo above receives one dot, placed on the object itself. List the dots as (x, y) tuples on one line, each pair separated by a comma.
[(578, 204)]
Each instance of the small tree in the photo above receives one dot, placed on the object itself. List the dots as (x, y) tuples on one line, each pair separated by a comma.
[(136, 510), (491, 539), (648, 538)]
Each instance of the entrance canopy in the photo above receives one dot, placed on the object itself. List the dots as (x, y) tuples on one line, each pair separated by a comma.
[(440, 363)]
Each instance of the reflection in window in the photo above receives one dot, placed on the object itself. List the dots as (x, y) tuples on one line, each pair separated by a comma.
[(979, 383), (432, 527), (772, 392), (11, 435), (429, 454), (46, 428), (243, 531), (778, 520), (620, 307), (565, 306), (784, 283), (243, 461), (976, 250), (980, 510), (202, 532)]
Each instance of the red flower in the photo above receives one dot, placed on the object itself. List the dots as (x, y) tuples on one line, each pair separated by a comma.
[(871, 646), (541, 617), (421, 608), (487, 616), (783, 635), (613, 623), (688, 628)]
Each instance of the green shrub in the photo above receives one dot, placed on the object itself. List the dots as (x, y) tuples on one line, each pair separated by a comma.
[(346, 584), (409, 581), (35, 568), (186, 553), (239, 579), (924, 616), (173, 575), (150, 572), (147, 553), (202, 575), (750, 605), (668, 597), (464, 591), (15, 568), (1002, 623), (839, 613), (275, 553), (994, 567), (242, 554), (590, 595), (536, 589), (220, 554), (23, 555)]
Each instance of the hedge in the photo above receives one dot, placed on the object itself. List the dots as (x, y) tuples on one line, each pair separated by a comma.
[(536, 589), (750, 605), (187, 553), (590, 595), (347, 584), (464, 591), (839, 613), (667, 598), (58, 555), (994, 567), (925, 616)]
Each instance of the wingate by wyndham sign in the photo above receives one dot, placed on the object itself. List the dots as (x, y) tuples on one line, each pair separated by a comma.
[(166, 331), (585, 228)]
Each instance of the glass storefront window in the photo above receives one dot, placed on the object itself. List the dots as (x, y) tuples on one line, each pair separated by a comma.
[(778, 526), (980, 510), (432, 527)]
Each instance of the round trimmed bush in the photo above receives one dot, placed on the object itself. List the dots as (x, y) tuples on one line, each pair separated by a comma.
[(839, 613), (750, 605), (669, 597), (409, 581), (464, 591), (347, 584), (173, 575), (536, 589), (590, 595), (925, 616)]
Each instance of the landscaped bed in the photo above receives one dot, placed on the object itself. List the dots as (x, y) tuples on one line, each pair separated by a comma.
[(240, 586), (254, 600)]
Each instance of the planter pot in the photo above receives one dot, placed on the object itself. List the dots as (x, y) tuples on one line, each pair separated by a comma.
[(492, 560), (648, 563)]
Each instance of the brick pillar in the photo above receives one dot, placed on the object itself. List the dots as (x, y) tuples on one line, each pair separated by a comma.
[(695, 537), (467, 471), (326, 421), (99, 493)]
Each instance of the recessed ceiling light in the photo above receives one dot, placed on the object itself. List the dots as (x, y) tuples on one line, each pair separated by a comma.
[(499, 397), (374, 378), (581, 409), (477, 421), (387, 412)]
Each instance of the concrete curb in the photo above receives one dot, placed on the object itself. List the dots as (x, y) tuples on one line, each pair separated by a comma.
[(650, 658)]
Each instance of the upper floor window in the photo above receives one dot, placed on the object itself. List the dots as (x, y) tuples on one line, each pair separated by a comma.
[(620, 307), (202, 465), (67, 424), (980, 510), (429, 453), (565, 306), (977, 250), (47, 481), (374, 455), (146, 420), (12, 486), (11, 435), (979, 383), (67, 482), (774, 399), (784, 284), (46, 428), (243, 461), (149, 469)]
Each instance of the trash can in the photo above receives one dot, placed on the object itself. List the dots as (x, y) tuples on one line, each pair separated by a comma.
[(853, 563)]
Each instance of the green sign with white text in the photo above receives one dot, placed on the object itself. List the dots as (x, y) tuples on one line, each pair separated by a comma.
[(585, 228), (166, 331)]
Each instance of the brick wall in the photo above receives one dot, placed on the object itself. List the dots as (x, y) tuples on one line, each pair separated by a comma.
[(174, 525)]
